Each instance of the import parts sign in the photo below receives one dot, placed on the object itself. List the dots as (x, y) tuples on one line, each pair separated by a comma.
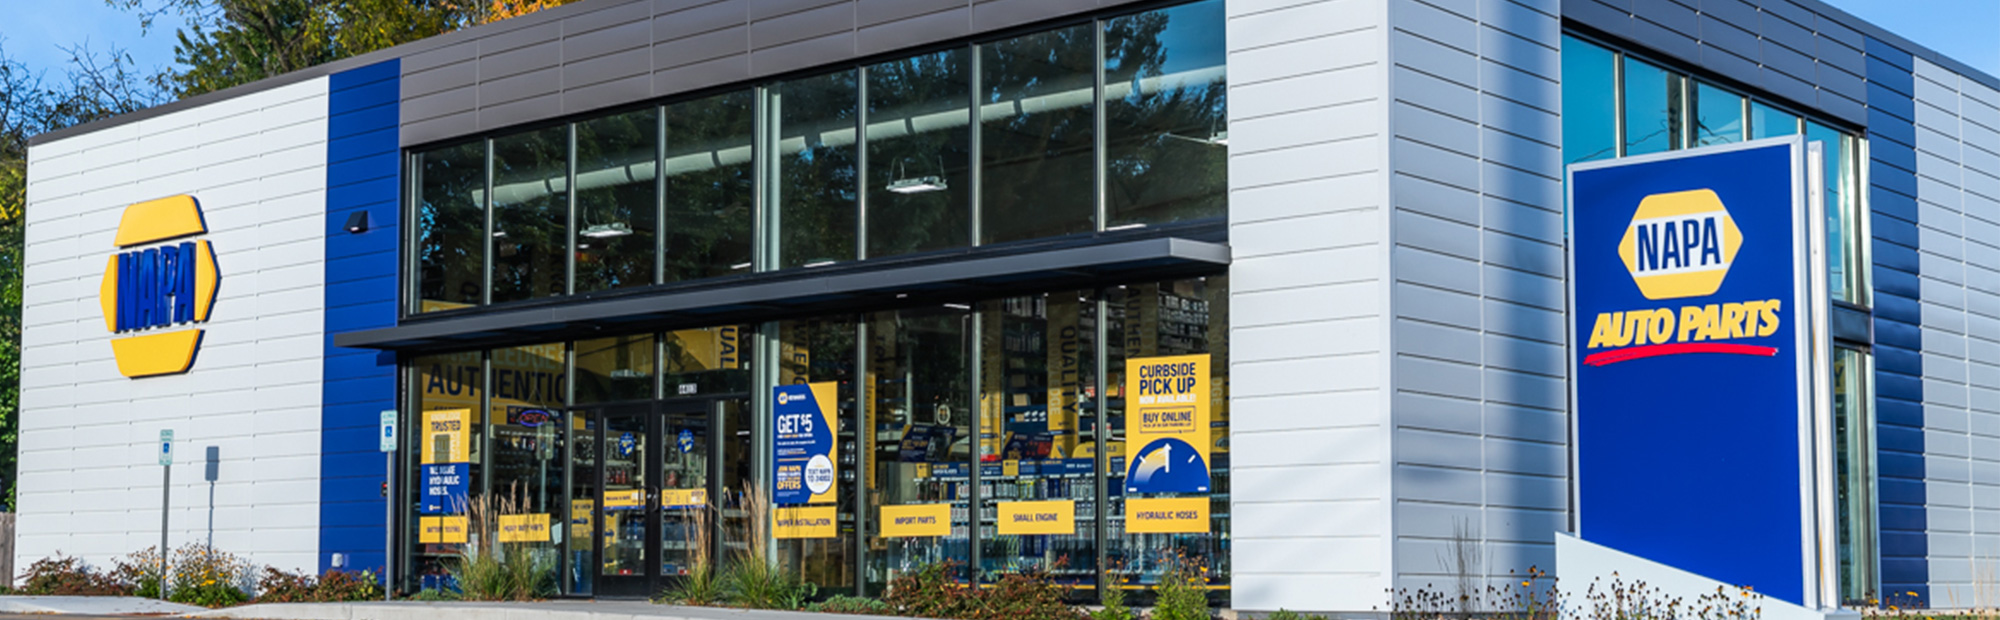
[(1691, 360)]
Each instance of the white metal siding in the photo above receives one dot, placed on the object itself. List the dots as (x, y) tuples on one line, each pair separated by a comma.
[(1308, 304), (89, 483), (1958, 217)]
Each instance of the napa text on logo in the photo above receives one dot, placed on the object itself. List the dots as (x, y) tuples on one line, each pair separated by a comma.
[(157, 285), (1680, 245)]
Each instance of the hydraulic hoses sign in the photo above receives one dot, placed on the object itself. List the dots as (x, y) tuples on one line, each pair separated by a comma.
[(1690, 360), (804, 454), (153, 291)]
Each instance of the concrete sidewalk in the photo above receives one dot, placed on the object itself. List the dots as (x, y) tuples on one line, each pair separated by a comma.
[(540, 610), (93, 605)]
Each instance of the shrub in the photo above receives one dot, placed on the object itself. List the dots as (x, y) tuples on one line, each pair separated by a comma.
[(1182, 593), (67, 576), (929, 592), (1286, 614), (749, 580), (433, 595), (1114, 605), (1024, 596), (496, 571), (277, 586), (141, 570), (700, 586), (207, 576), (843, 604)]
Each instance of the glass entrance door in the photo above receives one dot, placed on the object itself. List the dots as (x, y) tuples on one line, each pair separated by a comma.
[(657, 472), (628, 519)]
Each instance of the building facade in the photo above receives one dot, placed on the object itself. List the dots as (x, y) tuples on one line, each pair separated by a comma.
[(583, 253)]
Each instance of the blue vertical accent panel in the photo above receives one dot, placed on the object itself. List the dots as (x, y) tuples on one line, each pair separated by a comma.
[(1899, 388), (362, 175)]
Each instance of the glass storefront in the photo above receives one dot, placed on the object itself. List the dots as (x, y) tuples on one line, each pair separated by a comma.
[(1109, 125), (990, 435)]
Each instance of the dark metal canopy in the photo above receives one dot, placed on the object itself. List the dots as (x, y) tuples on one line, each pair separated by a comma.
[(961, 276)]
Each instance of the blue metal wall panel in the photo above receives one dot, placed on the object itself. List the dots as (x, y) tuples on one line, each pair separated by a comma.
[(362, 173), (1898, 339)]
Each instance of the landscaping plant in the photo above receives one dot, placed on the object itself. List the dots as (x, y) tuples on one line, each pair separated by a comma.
[(749, 580), (278, 586), (699, 586), (67, 576), (1113, 605), (1182, 593), (860, 605), (207, 576), (489, 570)]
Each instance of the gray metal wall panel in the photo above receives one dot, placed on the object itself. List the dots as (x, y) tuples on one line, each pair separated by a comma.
[(1474, 162), (584, 56)]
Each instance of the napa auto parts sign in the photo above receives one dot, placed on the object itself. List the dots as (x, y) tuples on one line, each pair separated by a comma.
[(1691, 363)]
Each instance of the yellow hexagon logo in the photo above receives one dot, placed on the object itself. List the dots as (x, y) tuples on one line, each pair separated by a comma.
[(1680, 244), (153, 290)]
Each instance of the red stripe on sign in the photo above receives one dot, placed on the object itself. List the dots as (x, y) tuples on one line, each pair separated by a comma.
[(1678, 348)]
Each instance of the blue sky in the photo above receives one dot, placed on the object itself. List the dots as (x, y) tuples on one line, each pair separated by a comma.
[(1968, 30), (36, 36)]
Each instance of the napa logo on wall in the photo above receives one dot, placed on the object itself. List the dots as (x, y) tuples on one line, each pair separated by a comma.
[(1690, 360), (158, 285)]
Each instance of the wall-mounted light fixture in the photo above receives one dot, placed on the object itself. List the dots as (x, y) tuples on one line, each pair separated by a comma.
[(357, 222)]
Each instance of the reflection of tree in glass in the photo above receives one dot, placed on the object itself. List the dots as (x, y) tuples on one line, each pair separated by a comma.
[(530, 228), (709, 187), (1036, 147), (918, 111), (451, 222), (616, 205), (1166, 115), (816, 169)]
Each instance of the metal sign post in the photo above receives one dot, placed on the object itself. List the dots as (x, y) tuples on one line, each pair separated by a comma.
[(166, 495), (388, 504)]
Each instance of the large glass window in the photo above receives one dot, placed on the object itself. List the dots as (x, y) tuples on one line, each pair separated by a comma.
[(1854, 471), (1037, 372), (1037, 135), (1718, 116), (1112, 124), (814, 351), (617, 200), (919, 150), (709, 187), (1590, 118), (707, 360), (1181, 317), (447, 444), (1839, 189), (614, 369), (450, 226), (1653, 108), (529, 386), (918, 387), (818, 213), (530, 238), (1166, 116)]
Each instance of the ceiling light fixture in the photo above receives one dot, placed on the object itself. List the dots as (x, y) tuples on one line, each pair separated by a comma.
[(918, 185), (607, 231)]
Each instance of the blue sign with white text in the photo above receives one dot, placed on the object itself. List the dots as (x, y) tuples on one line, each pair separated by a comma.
[(803, 452), (446, 487), (1689, 360)]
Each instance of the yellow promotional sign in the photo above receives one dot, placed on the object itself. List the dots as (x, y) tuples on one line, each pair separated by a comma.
[(683, 498), (582, 517), (1047, 517), (1166, 515), (916, 520), (445, 436), (635, 498), (159, 287), (442, 530), (524, 528), (803, 522), (1166, 416)]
